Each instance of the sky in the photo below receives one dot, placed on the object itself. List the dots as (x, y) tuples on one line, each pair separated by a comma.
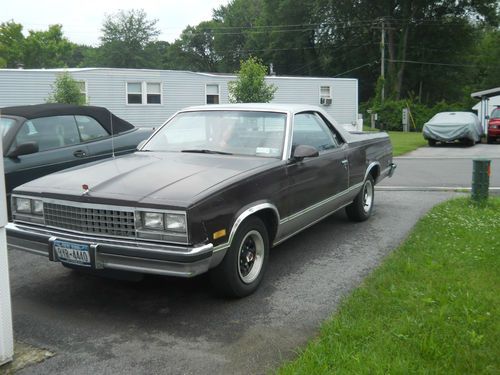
[(82, 20)]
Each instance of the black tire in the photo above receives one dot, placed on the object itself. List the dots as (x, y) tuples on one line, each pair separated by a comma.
[(470, 142), (432, 142), (362, 206), (236, 276), (490, 140)]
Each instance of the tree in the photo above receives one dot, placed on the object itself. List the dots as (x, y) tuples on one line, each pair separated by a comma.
[(126, 35), (428, 43), (251, 87), (66, 90), (46, 49), (236, 32), (195, 49), (487, 58), (11, 44)]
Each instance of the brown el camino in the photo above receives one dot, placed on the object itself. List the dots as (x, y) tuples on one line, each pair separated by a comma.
[(212, 190)]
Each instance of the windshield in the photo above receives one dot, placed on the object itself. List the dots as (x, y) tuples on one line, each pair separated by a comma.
[(6, 124), (225, 132), (495, 113)]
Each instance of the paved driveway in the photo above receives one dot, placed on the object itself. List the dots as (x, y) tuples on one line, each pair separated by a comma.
[(172, 326), (448, 167)]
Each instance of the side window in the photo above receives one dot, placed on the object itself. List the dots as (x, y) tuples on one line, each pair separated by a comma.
[(49, 132), (89, 128), (311, 130)]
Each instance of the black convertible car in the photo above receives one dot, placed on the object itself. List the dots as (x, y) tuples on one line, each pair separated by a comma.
[(212, 190), (45, 138)]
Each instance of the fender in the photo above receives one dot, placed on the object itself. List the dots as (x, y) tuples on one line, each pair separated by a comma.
[(369, 168), (242, 215)]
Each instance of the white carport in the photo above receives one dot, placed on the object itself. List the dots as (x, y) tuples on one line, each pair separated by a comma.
[(484, 110)]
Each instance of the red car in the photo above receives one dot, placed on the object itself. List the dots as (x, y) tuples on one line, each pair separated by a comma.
[(494, 126)]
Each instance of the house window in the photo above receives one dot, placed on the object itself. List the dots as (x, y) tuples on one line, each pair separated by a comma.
[(134, 93), (325, 95), (153, 92), (143, 93), (82, 85), (212, 94)]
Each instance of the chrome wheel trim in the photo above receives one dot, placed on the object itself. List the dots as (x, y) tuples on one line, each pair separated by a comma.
[(367, 196), (250, 256)]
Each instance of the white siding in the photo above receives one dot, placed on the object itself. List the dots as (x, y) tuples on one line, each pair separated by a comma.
[(107, 88)]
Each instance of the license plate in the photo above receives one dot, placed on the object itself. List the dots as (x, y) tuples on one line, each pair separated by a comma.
[(73, 253)]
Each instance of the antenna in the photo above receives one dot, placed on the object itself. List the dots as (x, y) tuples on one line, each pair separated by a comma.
[(112, 135)]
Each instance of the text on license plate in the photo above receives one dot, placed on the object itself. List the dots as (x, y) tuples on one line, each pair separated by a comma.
[(74, 253)]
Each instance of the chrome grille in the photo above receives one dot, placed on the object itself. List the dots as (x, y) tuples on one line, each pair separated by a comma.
[(90, 220)]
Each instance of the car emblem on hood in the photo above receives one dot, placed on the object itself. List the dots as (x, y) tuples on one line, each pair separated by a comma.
[(85, 188)]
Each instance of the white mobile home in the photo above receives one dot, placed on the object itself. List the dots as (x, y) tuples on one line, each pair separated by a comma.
[(148, 97)]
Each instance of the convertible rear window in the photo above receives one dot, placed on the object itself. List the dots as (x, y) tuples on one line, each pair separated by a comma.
[(233, 132)]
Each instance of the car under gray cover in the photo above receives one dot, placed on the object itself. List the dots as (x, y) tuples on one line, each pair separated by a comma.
[(453, 126)]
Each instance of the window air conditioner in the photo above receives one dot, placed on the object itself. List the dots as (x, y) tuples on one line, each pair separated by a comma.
[(326, 101)]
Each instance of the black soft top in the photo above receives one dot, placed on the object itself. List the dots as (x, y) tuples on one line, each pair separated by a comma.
[(104, 116)]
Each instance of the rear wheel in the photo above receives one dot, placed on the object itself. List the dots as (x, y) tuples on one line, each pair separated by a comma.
[(469, 142), (361, 208), (432, 142), (244, 265)]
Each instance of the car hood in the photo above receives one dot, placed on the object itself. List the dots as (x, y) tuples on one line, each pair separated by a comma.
[(176, 179)]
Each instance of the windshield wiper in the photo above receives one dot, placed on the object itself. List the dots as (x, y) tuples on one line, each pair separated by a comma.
[(205, 151)]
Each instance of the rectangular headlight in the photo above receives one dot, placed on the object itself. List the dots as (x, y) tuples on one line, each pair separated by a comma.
[(23, 205), (175, 223), (153, 220), (37, 206)]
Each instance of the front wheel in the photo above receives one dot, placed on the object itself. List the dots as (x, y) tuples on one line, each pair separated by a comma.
[(432, 142), (244, 265), (361, 208)]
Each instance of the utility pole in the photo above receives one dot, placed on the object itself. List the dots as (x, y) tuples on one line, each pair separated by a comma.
[(382, 60)]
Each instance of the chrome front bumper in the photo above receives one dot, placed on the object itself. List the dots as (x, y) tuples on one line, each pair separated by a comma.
[(119, 254)]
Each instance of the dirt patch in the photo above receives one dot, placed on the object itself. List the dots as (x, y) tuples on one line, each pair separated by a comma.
[(25, 355)]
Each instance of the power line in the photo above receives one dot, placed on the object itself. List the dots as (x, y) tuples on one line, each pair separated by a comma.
[(430, 63), (356, 68), (335, 48)]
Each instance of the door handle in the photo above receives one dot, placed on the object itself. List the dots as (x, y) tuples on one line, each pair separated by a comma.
[(345, 163), (80, 153)]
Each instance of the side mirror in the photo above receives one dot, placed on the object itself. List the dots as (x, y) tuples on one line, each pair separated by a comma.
[(304, 151), (24, 149)]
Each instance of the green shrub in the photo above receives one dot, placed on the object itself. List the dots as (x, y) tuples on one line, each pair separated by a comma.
[(66, 90), (390, 113)]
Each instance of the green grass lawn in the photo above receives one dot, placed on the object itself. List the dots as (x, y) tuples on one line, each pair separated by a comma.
[(403, 142), (406, 142), (432, 307)]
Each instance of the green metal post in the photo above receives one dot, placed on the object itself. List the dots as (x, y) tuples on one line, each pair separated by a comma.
[(481, 170)]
